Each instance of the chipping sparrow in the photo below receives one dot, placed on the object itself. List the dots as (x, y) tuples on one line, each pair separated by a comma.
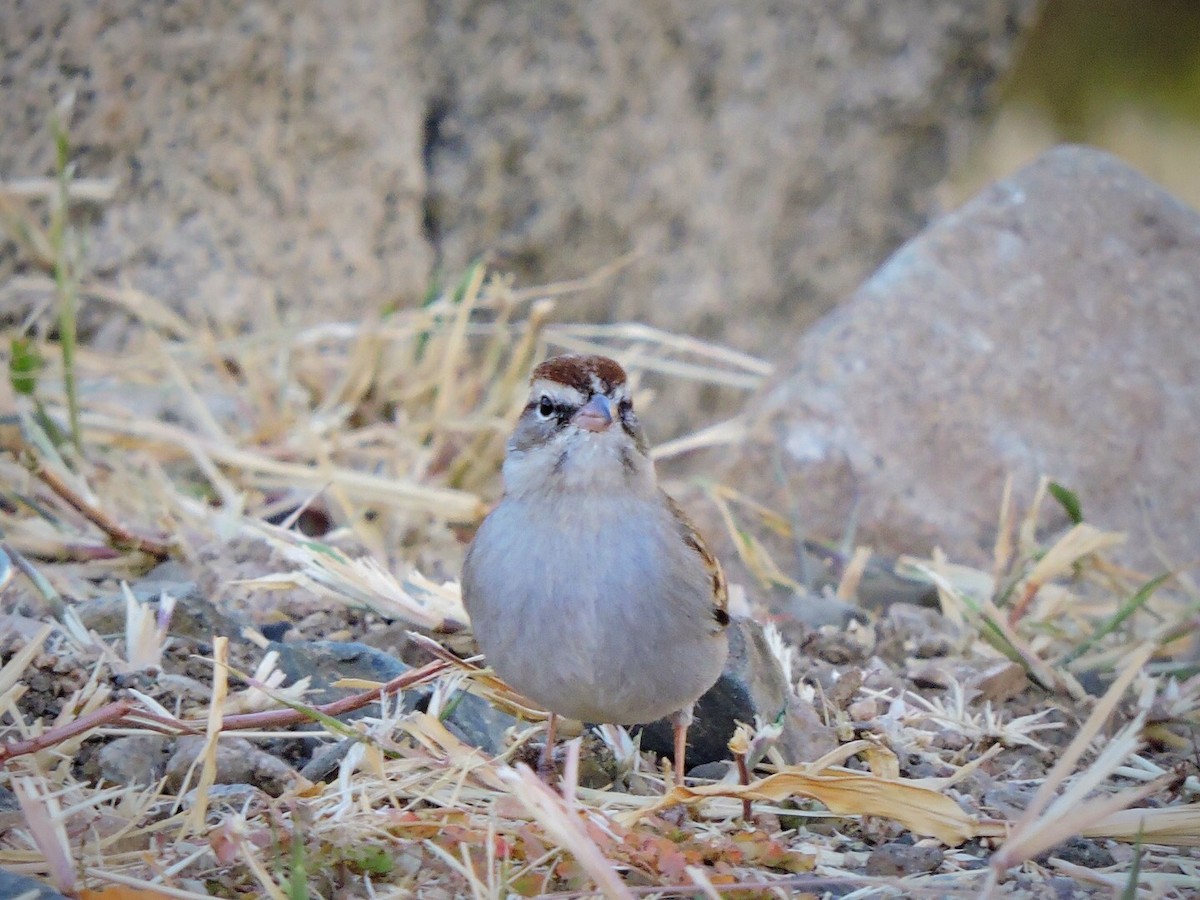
[(588, 589)]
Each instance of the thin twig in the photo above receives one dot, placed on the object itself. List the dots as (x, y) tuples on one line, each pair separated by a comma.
[(117, 533), (105, 715), (277, 718)]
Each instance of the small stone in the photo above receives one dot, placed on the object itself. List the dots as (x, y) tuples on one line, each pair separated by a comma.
[(192, 617), (851, 645), (950, 740), (895, 860), (238, 762), (1080, 851), (815, 611), (1063, 887), (994, 680), (907, 631), (881, 587), (478, 723), (843, 687), (26, 888), (998, 680), (326, 760), (1007, 799), (925, 673), (864, 710), (10, 811), (134, 759), (324, 663), (712, 771)]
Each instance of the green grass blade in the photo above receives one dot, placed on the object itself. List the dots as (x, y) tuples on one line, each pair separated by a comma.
[(1132, 605)]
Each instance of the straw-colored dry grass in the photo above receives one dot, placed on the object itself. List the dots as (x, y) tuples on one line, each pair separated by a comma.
[(391, 432)]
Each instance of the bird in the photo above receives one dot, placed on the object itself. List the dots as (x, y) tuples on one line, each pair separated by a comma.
[(588, 588)]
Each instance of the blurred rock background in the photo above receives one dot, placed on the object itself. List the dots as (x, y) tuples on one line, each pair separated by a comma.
[(758, 159)]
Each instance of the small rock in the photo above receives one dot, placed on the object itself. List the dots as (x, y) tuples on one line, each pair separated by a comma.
[(881, 676), (326, 662), (896, 860), (712, 771), (842, 646), (1064, 888), (134, 759), (193, 617), (326, 760), (864, 710), (842, 686), (22, 887), (19, 628), (815, 611), (1007, 799), (924, 673), (907, 631), (998, 680), (10, 811), (881, 587), (752, 684), (171, 577), (238, 762), (480, 724), (994, 680), (1096, 682), (1080, 851), (946, 739)]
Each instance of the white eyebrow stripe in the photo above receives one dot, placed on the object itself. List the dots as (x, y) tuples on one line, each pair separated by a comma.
[(557, 392)]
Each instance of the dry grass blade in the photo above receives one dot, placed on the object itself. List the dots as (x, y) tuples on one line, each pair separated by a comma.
[(1082, 540), (363, 582), (1002, 550), (431, 734), (1177, 826), (43, 817), (999, 631), (723, 434), (149, 889), (561, 821), (16, 666), (1036, 830), (917, 807), (208, 758), (361, 487)]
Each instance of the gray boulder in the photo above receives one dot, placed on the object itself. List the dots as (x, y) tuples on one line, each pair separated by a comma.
[(1047, 327)]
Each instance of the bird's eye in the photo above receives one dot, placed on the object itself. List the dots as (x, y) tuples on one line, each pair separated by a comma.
[(625, 407), (545, 407)]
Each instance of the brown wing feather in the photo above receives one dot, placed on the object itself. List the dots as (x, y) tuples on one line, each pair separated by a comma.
[(691, 537)]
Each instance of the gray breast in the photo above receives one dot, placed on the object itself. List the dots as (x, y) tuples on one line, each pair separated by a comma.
[(610, 625)]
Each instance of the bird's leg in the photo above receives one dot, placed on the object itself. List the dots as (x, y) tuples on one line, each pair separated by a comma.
[(681, 721), (546, 761), (680, 749)]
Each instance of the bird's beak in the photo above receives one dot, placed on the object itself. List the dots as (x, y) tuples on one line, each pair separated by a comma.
[(596, 415)]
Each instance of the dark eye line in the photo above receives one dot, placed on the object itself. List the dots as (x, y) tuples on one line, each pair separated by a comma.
[(560, 412)]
